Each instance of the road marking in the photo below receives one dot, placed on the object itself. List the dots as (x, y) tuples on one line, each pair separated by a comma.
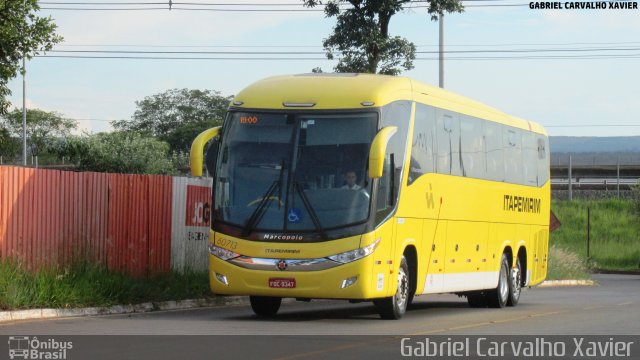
[(469, 326), (547, 314), (626, 303), (525, 317), (428, 332), (509, 320), (594, 307)]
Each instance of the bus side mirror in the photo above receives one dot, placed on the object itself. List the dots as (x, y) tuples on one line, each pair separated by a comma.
[(378, 149), (197, 150), (211, 157)]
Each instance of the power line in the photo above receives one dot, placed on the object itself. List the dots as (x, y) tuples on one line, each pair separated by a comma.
[(541, 57), (319, 52), (315, 46)]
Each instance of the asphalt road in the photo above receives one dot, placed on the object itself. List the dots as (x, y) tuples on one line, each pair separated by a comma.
[(323, 329)]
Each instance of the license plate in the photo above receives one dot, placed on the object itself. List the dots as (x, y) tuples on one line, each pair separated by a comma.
[(285, 283)]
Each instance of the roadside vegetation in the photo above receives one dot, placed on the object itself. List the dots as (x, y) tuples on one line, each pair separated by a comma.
[(566, 265), (89, 285), (615, 233)]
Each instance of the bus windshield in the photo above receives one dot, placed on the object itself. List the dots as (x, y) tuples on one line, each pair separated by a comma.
[(295, 172)]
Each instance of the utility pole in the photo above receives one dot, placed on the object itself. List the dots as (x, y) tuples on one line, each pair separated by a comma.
[(441, 50)]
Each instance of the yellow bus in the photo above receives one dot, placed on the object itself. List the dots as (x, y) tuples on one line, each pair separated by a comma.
[(373, 188)]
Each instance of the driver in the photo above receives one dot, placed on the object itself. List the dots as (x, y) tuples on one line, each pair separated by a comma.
[(350, 179)]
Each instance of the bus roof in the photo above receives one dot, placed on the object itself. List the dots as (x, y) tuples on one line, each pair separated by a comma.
[(360, 91)]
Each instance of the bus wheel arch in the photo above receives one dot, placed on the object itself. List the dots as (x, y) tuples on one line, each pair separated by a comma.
[(394, 307), (411, 255), (498, 297), (517, 277), (522, 258)]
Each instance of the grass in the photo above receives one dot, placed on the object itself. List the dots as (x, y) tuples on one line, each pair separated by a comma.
[(615, 232), (88, 284), (564, 264)]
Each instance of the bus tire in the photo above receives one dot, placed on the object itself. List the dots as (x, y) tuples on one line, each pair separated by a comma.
[(393, 307), (498, 297), (265, 306), (515, 284), (477, 300)]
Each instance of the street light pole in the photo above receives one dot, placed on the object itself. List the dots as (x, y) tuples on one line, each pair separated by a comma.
[(24, 94), (24, 113), (441, 50)]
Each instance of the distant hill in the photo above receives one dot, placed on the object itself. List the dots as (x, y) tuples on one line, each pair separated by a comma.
[(593, 144)]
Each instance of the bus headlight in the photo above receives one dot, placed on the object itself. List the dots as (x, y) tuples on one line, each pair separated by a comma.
[(221, 253), (357, 254)]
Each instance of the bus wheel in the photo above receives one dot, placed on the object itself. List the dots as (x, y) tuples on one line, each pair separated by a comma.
[(477, 300), (515, 284), (392, 308), (498, 297), (265, 306)]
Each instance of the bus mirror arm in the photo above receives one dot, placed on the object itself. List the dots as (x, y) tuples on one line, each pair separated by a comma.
[(197, 149), (378, 150)]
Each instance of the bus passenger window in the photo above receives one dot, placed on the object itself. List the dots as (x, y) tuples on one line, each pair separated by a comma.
[(530, 159), (494, 153), (513, 156), (543, 161), (472, 145), (448, 141)]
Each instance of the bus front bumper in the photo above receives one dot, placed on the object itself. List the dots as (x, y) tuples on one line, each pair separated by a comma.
[(353, 280)]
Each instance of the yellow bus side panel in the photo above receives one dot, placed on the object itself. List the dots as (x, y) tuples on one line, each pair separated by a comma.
[(474, 222)]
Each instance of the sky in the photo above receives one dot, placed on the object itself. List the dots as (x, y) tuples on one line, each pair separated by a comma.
[(577, 72)]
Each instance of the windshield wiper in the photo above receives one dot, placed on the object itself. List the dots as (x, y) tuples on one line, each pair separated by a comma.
[(257, 214), (312, 212)]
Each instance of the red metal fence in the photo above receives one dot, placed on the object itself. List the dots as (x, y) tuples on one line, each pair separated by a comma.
[(51, 217)]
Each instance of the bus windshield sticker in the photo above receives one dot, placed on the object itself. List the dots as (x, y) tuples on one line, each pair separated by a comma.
[(294, 216)]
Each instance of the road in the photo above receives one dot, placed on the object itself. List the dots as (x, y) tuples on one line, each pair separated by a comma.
[(610, 308)]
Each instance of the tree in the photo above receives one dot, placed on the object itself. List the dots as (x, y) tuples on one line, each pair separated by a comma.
[(177, 116), (119, 152), (22, 33), (361, 34), (42, 128), (9, 146)]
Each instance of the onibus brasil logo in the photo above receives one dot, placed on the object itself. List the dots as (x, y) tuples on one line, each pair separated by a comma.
[(27, 347)]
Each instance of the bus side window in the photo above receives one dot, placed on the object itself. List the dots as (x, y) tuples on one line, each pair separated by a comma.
[(543, 160), (494, 152), (385, 203), (530, 159), (395, 114), (472, 145), (423, 143), (448, 141), (512, 155)]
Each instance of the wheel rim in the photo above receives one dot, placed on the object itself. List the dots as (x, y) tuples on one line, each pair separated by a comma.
[(403, 289), (504, 283), (516, 277)]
